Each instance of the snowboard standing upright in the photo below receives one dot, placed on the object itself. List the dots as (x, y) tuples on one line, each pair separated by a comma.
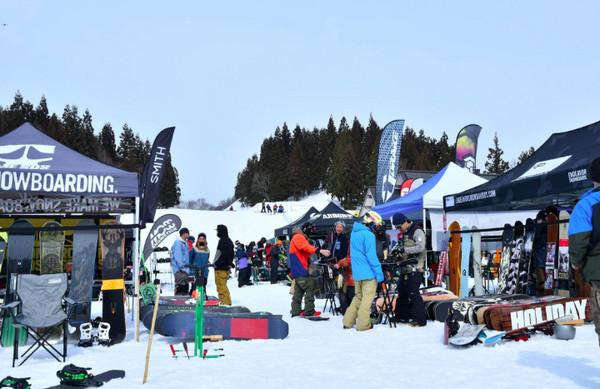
[(51, 260), (562, 283), (464, 262), (443, 259), (454, 259), (477, 270), (551, 255), (85, 248), (515, 259), (113, 284), (507, 240), (20, 255), (522, 285)]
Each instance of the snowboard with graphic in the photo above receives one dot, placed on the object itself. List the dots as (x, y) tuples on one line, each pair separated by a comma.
[(563, 265), (551, 255), (21, 238), (507, 240), (464, 262), (515, 258), (113, 284), (443, 259), (523, 284), (51, 262), (85, 248)]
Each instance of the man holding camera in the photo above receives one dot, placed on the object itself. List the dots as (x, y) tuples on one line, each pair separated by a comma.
[(409, 303)]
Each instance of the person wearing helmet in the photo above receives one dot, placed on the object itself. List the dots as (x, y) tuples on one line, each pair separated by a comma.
[(584, 239), (409, 303), (302, 270), (366, 271)]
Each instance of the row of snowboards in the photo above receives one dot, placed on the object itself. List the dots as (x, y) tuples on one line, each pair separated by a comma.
[(18, 243), (459, 244)]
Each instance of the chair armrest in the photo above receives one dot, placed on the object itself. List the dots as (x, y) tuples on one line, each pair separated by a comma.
[(10, 305)]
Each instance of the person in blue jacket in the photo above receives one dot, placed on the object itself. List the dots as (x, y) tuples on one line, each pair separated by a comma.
[(200, 253), (584, 239), (366, 270), (180, 258)]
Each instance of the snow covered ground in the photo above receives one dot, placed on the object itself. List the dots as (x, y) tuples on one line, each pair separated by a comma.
[(317, 354)]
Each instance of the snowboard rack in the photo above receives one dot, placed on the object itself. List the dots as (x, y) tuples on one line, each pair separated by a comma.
[(77, 376), (15, 383), (96, 331)]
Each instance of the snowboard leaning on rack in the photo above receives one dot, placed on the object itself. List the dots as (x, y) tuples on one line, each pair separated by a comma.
[(85, 248), (113, 284)]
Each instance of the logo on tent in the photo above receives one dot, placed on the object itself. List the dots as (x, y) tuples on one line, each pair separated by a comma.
[(26, 156)]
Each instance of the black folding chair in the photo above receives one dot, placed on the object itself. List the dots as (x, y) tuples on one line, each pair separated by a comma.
[(40, 312)]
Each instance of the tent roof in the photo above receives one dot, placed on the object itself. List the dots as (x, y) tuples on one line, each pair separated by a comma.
[(32, 162), (287, 230), (554, 174), (325, 219), (430, 194)]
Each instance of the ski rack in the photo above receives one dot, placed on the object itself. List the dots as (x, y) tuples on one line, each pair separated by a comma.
[(204, 355), (89, 334)]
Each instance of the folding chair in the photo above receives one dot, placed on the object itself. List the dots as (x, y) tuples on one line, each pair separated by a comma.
[(40, 311)]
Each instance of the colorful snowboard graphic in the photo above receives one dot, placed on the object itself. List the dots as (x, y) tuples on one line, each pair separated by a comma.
[(464, 262), (454, 258), (551, 255)]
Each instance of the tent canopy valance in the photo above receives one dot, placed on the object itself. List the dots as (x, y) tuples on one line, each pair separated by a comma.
[(554, 174)]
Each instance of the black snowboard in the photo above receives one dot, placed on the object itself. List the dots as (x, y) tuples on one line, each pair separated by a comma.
[(85, 248), (20, 255), (113, 284), (522, 284), (515, 258)]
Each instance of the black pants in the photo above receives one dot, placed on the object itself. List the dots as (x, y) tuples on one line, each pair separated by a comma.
[(243, 276), (274, 266), (409, 304)]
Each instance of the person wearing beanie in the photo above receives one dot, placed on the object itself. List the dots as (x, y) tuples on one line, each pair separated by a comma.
[(584, 239), (337, 242), (409, 303), (180, 258), (191, 240), (302, 270), (200, 254)]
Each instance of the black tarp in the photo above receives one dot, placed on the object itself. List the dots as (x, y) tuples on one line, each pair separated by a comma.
[(287, 230), (556, 173)]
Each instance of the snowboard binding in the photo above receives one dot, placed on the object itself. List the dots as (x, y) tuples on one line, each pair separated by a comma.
[(15, 383), (77, 376), (96, 331)]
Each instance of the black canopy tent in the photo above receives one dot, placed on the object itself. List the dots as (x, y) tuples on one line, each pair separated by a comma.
[(556, 173), (287, 230), (326, 218)]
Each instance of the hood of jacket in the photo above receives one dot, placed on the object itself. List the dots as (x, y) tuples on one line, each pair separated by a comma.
[(222, 231)]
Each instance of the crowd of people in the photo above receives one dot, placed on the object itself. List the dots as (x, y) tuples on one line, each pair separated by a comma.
[(266, 208)]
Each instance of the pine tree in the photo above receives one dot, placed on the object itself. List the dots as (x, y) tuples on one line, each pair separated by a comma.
[(170, 194), (327, 139), (56, 129), (127, 151), (73, 126), (495, 164), (107, 142), (41, 117), (370, 152), (523, 156)]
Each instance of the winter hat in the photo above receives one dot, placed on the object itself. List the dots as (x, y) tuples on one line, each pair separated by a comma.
[(279, 243), (184, 231), (191, 239), (399, 218), (340, 222), (541, 215), (594, 170), (202, 234)]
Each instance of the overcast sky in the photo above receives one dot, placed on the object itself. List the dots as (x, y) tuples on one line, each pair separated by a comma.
[(226, 74)]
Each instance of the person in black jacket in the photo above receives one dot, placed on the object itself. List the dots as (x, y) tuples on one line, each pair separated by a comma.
[(337, 242), (223, 262), (275, 251)]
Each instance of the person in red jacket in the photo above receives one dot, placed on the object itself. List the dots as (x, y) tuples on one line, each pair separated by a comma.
[(346, 293), (302, 270)]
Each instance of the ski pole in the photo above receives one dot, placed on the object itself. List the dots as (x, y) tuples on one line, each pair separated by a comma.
[(173, 351)]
